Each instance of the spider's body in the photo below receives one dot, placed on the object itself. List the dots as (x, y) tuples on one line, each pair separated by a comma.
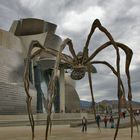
[(78, 73), (78, 69), (80, 64)]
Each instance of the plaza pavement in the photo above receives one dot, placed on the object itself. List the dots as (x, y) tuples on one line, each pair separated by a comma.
[(64, 132)]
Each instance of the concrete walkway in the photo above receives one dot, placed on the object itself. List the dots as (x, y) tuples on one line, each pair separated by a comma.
[(64, 132)]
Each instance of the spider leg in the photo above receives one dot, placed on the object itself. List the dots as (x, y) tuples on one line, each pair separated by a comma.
[(104, 30), (113, 70), (58, 56), (26, 78), (68, 42), (95, 24), (26, 83), (122, 89), (129, 54), (53, 52), (92, 96), (132, 116), (92, 30), (51, 86), (68, 59)]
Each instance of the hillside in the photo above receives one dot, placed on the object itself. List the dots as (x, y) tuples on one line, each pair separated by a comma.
[(111, 103)]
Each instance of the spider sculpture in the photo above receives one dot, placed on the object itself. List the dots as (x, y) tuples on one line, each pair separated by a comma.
[(80, 64)]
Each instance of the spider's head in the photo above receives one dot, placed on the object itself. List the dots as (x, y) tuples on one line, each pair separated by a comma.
[(78, 59)]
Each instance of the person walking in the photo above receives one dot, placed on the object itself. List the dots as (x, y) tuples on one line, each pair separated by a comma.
[(111, 120), (138, 112), (124, 114), (84, 124), (98, 118), (105, 121)]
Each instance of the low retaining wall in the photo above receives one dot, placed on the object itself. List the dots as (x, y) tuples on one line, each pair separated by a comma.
[(40, 119)]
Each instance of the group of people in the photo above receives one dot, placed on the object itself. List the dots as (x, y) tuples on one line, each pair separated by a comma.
[(98, 120), (111, 120), (105, 120), (122, 114)]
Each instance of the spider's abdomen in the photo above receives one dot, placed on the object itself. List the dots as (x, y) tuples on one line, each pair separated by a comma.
[(78, 74)]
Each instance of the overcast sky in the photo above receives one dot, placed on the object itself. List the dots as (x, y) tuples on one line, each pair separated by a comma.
[(74, 19)]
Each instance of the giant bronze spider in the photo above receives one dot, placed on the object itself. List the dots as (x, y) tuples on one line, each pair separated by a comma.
[(80, 64)]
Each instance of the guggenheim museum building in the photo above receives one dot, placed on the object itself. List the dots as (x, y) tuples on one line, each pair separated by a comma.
[(14, 45)]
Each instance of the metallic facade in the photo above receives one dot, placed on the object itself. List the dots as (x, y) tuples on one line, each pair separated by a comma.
[(12, 96), (13, 49)]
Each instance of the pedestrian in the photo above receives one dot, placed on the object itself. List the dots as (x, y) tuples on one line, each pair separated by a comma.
[(111, 120), (121, 114), (138, 112), (124, 114), (105, 121), (84, 124), (98, 118)]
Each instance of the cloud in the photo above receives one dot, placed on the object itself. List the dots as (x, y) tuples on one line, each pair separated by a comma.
[(74, 19), (12, 10), (32, 3)]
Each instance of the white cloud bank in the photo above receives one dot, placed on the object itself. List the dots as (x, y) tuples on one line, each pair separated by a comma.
[(75, 21)]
